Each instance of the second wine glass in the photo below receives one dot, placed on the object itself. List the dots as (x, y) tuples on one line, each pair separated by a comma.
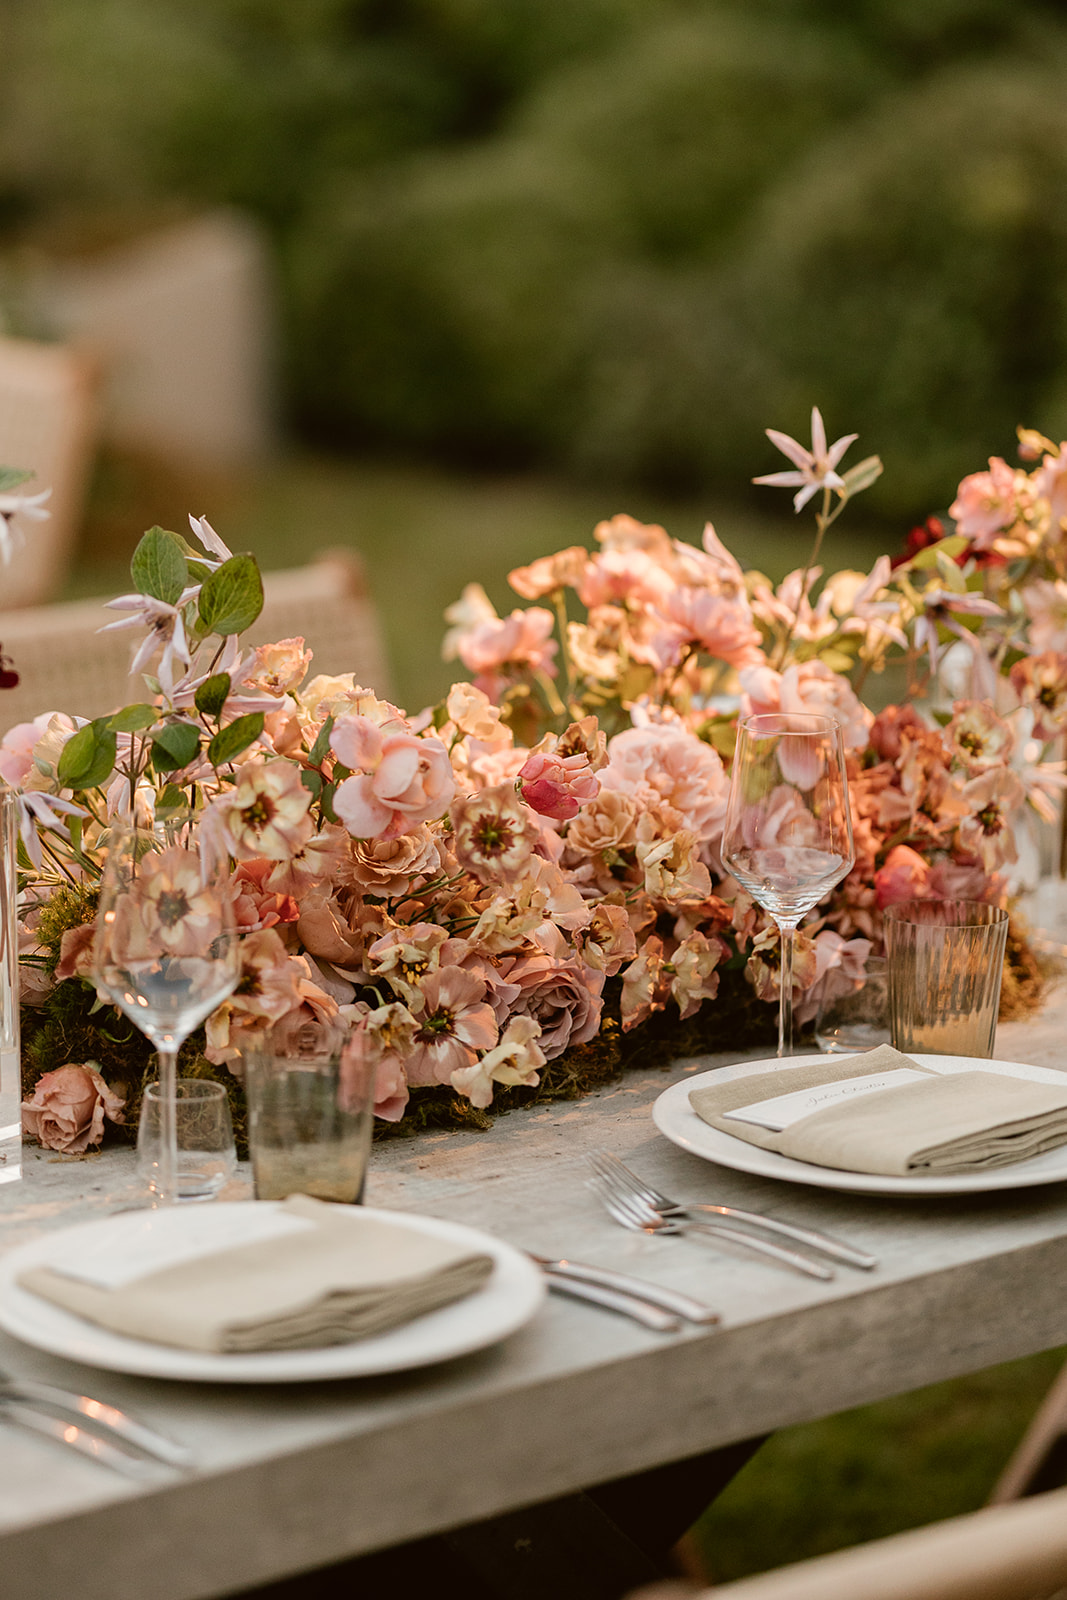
[(165, 950), (787, 837)]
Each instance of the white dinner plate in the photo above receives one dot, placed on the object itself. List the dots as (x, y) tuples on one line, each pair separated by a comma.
[(675, 1117), (510, 1298)]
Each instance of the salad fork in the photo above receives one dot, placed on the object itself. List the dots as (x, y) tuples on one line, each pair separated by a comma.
[(634, 1214), (612, 1170)]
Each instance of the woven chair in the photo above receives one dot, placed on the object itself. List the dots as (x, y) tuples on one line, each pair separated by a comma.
[(66, 664), (48, 418), (1009, 1552)]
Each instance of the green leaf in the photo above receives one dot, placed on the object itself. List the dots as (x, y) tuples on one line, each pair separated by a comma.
[(174, 746), (212, 693), (837, 660), (327, 802), (312, 781), (172, 799), (12, 477), (88, 757), (927, 559), (232, 598), (235, 737), (318, 751), (133, 719), (862, 475), (158, 567)]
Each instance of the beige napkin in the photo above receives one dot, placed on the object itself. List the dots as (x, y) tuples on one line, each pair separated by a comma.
[(346, 1277), (949, 1124)]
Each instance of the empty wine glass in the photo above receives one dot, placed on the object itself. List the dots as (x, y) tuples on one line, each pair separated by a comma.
[(165, 950), (787, 837)]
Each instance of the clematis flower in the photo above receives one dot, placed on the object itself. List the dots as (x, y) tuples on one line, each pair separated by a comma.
[(40, 810), (514, 1063), (815, 467), (941, 608), (203, 531), (166, 632), (29, 507)]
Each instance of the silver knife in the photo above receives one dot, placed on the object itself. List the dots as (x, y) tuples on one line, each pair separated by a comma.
[(670, 1300), (98, 1449), (97, 1416), (649, 1316)]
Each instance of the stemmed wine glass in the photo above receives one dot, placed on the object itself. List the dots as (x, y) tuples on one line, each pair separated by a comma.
[(166, 949), (787, 837)]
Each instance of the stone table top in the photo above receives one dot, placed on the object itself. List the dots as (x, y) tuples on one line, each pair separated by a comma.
[(291, 1477)]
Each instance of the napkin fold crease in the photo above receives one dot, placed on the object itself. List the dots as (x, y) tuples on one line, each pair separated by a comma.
[(347, 1276), (950, 1124)]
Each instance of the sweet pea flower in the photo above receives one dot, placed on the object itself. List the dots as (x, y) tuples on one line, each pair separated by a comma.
[(816, 468), (399, 779), (513, 1063), (557, 786)]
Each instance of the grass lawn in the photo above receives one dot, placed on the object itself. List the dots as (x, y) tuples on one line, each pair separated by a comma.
[(423, 533)]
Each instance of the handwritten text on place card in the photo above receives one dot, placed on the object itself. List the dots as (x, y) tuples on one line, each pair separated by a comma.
[(785, 1109)]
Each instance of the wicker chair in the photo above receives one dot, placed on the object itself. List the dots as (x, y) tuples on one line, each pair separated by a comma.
[(1007, 1552), (66, 664)]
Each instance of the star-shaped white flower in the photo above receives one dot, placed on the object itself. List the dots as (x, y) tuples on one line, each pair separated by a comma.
[(815, 467), (166, 631), (12, 505)]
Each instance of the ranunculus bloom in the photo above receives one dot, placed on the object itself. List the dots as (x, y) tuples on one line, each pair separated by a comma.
[(560, 571), (67, 1109), (399, 779), (557, 786), (266, 812), (280, 667)]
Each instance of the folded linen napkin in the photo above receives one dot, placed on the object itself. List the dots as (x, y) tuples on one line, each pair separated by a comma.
[(929, 1123), (325, 1275)]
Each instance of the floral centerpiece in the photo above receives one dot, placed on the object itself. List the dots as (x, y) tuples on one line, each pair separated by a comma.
[(519, 890)]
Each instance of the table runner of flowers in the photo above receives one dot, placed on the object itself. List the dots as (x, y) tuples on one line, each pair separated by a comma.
[(518, 892)]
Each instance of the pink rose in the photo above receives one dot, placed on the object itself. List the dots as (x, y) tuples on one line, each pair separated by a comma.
[(905, 876), (563, 996), (16, 749), (68, 1108)]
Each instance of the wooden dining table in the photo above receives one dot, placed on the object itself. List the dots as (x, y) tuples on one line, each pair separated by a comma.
[(290, 1478)]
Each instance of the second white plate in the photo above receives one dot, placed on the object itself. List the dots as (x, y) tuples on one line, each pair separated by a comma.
[(510, 1298), (675, 1118)]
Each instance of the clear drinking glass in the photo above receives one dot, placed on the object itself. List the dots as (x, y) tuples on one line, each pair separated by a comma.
[(166, 948), (206, 1157), (946, 961), (858, 1020), (787, 837), (310, 1114)]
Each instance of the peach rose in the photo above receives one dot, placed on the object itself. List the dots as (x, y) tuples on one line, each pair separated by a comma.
[(67, 1109), (563, 996)]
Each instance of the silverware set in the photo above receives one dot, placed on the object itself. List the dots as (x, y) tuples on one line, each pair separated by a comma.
[(635, 1205), (115, 1438)]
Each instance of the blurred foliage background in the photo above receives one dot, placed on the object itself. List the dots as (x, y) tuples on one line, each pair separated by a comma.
[(608, 238)]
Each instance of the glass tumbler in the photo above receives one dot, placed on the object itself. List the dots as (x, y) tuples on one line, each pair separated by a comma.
[(206, 1155), (945, 960), (309, 1124)]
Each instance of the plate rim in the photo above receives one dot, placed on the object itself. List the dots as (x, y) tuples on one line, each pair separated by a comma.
[(672, 1106), (516, 1282)]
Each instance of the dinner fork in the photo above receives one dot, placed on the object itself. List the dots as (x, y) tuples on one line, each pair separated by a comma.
[(632, 1213), (614, 1171), (97, 1418)]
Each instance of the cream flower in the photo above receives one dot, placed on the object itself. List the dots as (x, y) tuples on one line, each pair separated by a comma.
[(266, 812), (493, 836), (513, 1063), (454, 1024)]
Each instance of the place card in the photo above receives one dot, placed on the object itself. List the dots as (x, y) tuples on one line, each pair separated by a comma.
[(142, 1242), (785, 1109)]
